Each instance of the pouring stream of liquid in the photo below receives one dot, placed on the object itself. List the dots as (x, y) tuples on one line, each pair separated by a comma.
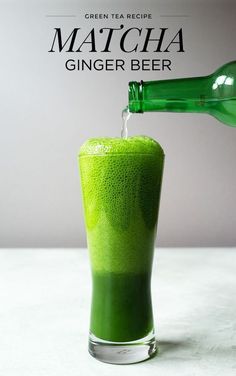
[(125, 117)]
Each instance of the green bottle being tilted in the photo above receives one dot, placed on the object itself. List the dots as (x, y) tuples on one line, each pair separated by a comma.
[(214, 94)]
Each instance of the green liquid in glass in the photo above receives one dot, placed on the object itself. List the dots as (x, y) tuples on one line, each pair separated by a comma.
[(121, 183)]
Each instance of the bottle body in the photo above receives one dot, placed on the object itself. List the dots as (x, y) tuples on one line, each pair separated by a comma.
[(214, 94)]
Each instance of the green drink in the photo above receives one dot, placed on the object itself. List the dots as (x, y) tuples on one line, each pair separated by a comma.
[(121, 183)]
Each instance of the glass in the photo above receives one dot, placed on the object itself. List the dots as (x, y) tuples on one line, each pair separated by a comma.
[(121, 184), (214, 94)]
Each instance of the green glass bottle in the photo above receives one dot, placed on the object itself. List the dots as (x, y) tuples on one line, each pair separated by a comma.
[(214, 94)]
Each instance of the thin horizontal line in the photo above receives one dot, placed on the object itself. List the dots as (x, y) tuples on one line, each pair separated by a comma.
[(57, 15), (174, 15)]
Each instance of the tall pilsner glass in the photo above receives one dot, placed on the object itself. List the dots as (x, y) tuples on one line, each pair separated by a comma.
[(121, 184)]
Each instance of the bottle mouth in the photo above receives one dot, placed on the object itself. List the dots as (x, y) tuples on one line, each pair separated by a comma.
[(136, 96)]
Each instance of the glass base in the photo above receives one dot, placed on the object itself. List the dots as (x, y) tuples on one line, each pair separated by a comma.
[(123, 352)]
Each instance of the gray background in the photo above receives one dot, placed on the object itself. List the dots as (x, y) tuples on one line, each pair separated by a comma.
[(48, 112)]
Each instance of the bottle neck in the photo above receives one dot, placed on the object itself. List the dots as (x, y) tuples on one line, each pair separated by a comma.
[(178, 95)]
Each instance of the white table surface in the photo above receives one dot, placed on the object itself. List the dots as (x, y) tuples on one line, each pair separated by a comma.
[(45, 303)]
